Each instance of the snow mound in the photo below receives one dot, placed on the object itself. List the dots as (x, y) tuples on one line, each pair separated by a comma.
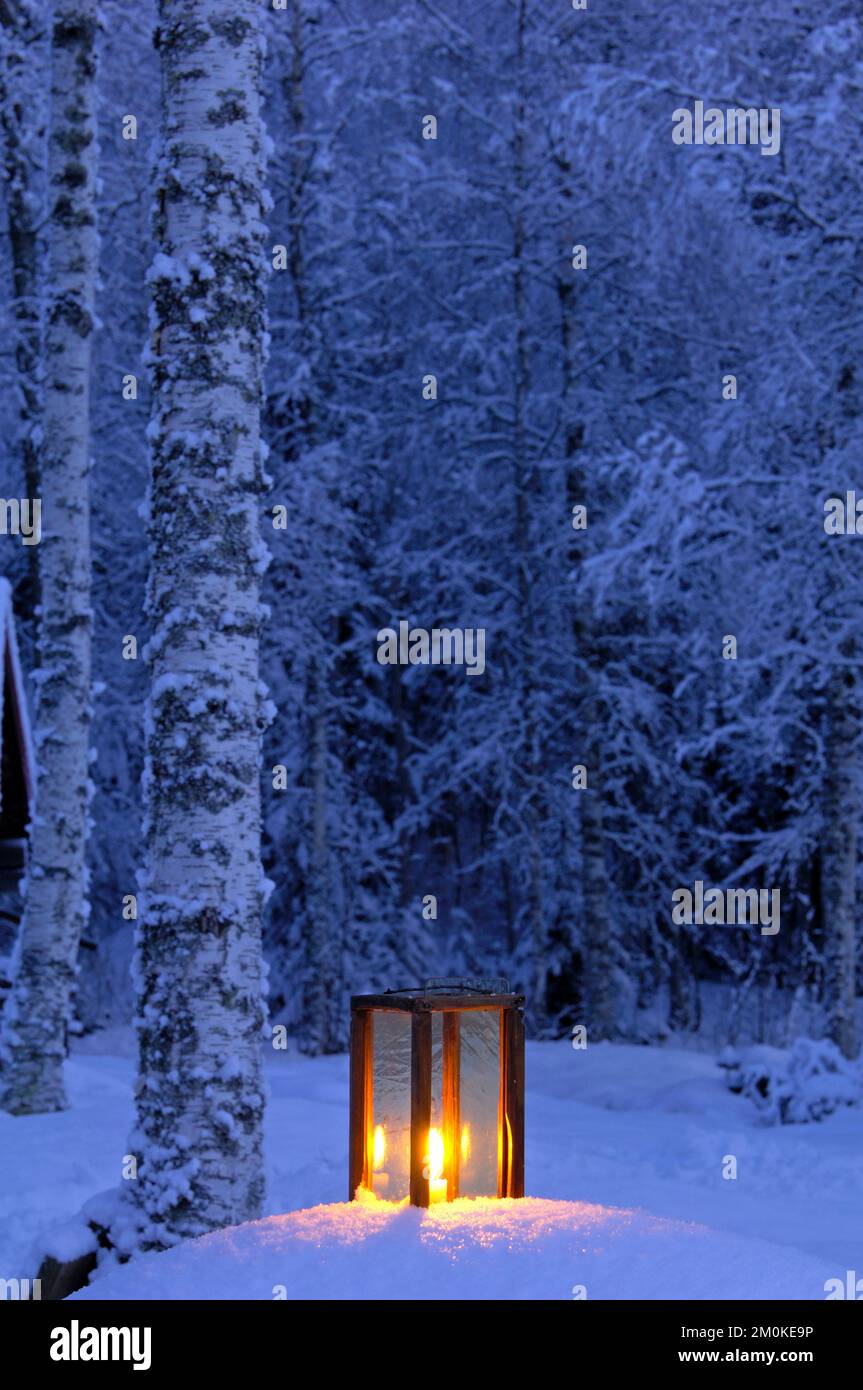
[(479, 1248), (808, 1082)]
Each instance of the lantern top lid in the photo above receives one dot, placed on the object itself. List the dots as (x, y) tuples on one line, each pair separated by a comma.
[(436, 994)]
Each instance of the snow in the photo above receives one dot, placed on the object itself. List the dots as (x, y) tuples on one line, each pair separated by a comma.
[(625, 1150), (169, 268), (472, 1249)]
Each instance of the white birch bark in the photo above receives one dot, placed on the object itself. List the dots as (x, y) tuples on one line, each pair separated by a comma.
[(198, 964), (33, 1043)]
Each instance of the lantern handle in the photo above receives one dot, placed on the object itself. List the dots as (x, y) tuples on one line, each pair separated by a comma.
[(496, 984)]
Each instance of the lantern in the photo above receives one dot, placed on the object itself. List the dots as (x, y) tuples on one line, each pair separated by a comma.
[(437, 1092)]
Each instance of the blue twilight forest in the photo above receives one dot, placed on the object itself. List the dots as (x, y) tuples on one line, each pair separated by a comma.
[(535, 368)]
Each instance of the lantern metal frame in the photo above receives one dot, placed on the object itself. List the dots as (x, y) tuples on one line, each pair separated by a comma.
[(452, 1001)]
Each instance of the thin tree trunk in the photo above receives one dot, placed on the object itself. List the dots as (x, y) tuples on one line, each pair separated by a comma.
[(323, 957), (404, 791), (839, 864), (523, 483), (597, 932), (681, 984), (37, 1014), (198, 962), (321, 1030)]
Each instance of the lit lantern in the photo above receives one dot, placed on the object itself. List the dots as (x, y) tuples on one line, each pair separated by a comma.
[(437, 1092)]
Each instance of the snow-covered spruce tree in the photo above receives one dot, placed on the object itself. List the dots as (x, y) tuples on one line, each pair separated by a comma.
[(309, 587), (344, 915), (488, 806), (198, 966), (596, 938), (128, 82), (33, 1043), (792, 727)]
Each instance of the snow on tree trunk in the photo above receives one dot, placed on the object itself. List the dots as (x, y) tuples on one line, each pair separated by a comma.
[(839, 864), (198, 965), (35, 1019)]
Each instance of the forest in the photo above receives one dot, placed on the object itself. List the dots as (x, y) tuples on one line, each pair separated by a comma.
[(446, 446)]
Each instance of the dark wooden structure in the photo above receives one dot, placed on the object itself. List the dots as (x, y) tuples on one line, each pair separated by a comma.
[(453, 1000)]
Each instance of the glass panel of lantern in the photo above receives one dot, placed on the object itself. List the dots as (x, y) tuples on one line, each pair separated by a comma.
[(480, 1102), (390, 1167), (389, 1171)]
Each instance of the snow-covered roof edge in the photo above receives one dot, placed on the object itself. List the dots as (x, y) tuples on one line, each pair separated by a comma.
[(10, 666)]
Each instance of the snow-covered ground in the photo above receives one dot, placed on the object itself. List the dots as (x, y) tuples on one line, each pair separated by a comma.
[(611, 1127), (470, 1249)]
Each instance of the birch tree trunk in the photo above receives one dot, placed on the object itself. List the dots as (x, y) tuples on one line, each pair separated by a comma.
[(198, 965), (35, 1018), (839, 864)]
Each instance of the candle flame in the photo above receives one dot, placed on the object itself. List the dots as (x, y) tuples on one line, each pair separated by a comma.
[(379, 1148)]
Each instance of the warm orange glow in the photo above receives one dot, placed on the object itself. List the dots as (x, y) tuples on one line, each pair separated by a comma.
[(379, 1148), (436, 1159), (436, 1154), (465, 1143)]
